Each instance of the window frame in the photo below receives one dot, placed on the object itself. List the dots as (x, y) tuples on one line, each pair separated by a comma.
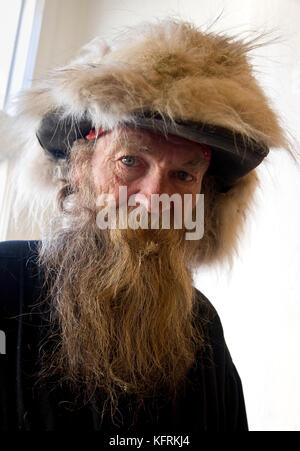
[(20, 76), (25, 49)]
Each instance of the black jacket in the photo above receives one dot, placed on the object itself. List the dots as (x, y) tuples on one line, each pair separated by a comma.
[(213, 400)]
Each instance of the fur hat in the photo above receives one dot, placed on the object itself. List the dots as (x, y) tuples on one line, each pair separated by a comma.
[(168, 73)]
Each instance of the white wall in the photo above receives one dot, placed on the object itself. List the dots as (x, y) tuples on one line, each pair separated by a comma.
[(258, 300), (63, 32)]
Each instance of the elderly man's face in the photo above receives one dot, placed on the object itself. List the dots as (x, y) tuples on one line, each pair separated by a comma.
[(147, 163)]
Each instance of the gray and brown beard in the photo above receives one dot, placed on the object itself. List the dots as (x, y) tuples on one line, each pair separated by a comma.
[(122, 304)]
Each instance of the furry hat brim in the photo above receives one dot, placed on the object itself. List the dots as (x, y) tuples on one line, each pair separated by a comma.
[(232, 156)]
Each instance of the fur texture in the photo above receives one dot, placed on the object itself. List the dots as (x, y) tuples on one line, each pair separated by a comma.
[(170, 67)]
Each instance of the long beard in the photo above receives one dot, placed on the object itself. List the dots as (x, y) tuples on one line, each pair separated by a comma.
[(122, 308)]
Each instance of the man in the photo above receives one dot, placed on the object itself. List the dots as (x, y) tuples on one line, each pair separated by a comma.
[(104, 328)]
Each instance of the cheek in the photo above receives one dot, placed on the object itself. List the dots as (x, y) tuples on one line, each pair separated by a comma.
[(106, 181), (194, 190), (101, 173)]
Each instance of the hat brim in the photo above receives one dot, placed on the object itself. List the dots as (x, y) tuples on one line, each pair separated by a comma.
[(233, 155)]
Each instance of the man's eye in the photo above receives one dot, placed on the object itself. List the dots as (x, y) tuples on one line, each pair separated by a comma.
[(129, 160), (184, 176)]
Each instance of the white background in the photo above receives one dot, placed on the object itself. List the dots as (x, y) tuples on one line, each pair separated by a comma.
[(258, 298)]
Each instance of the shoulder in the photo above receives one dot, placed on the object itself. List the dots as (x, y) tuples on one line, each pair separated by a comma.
[(16, 257), (16, 249), (209, 317), (212, 330), (17, 270), (223, 372)]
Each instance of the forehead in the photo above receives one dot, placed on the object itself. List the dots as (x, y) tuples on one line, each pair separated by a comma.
[(151, 142)]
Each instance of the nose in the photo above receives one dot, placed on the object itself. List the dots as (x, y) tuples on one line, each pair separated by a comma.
[(154, 183)]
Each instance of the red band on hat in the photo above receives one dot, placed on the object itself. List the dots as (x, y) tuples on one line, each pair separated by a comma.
[(206, 152), (93, 134)]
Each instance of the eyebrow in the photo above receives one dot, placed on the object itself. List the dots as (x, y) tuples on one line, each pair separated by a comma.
[(130, 150), (135, 148), (194, 163)]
